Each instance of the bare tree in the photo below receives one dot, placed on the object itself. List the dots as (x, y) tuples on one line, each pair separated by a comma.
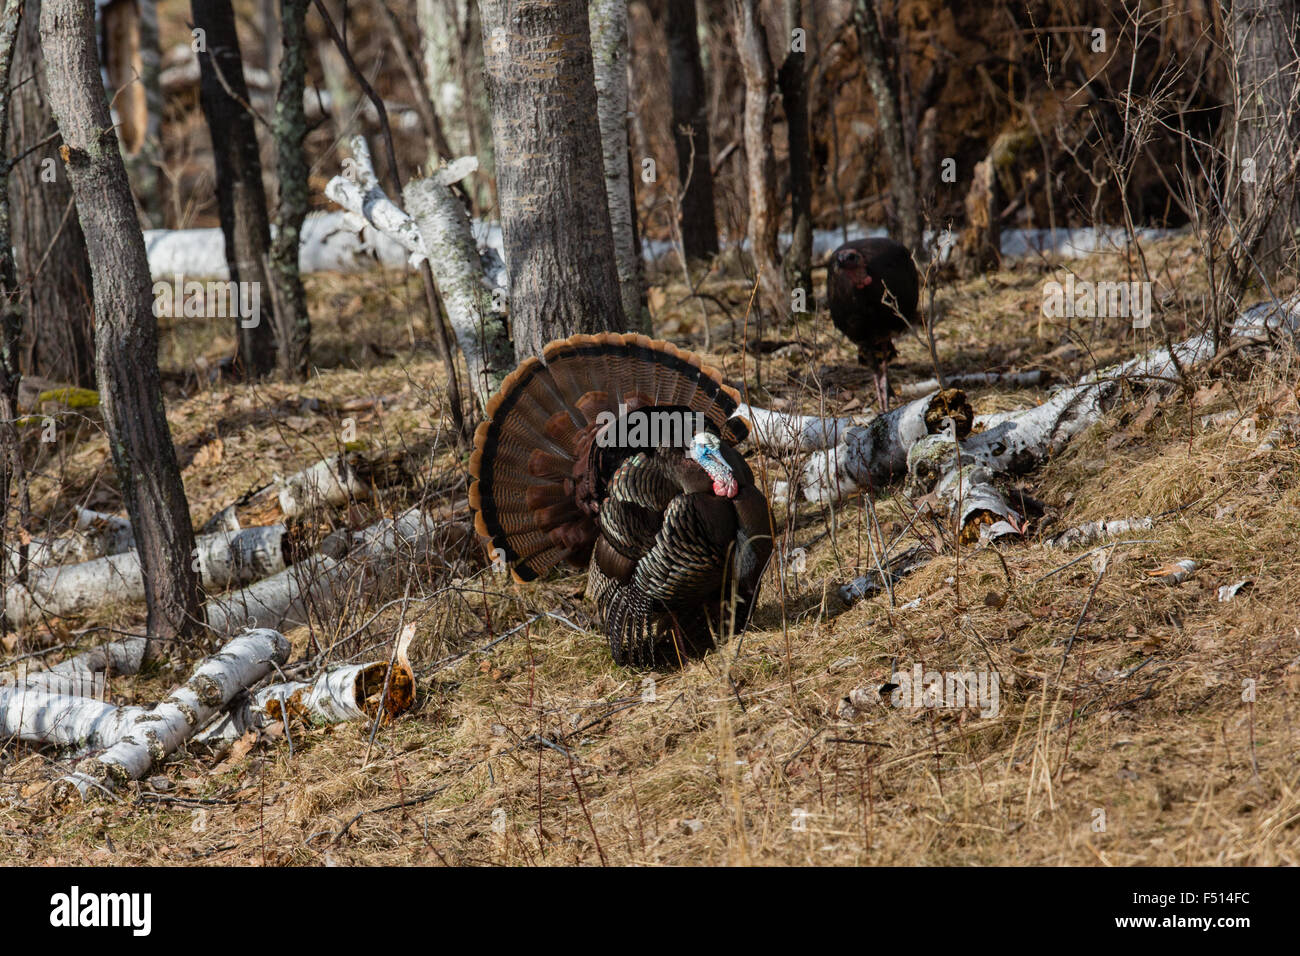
[(1264, 36), (691, 131), (241, 197), (11, 313), (53, 271), (882, 75), (293, 324), (793, 77), (451, 36), (126, 356), (609, 58), (131, 59), (764, 213), (554, 214)]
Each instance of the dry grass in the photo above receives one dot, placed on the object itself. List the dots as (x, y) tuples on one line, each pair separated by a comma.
[(541, 751)]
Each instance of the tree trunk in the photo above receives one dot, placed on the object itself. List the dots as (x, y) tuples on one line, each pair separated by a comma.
[(1264, 37), (435, 136), (554, 213), (979, 247), (889, 122), (691, 131), (129, 41), (126, 358), (11, 314), (53, 270), (794, 98), (293, 324), (452, 46), (241, 197), (609, 53), (764, 212)]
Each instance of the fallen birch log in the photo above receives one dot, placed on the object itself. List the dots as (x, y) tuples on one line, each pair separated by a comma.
[(150, 737), (330, 483), (962, 473), (1090, 532), (34, 715), (341, 693), (83, 675), (782, 432), (285, 600), (93, 536), (282, 601), (222, 559), (875, 453)]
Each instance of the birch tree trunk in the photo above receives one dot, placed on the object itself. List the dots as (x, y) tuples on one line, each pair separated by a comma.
[(293, 324), (764, 213), (480, 330), (126, 356), (53, 270), (609, 54), (223, 94), (554, 216), (691, 131), (1263, 63), (440, 238), (963, 473)]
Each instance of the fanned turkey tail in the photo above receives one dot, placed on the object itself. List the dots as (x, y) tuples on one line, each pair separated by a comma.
[(532, 490)]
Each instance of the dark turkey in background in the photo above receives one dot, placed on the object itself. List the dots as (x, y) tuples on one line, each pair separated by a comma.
[(871, 288)]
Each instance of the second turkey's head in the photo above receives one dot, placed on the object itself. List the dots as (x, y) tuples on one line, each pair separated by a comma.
[(706, 451), (851, 268)]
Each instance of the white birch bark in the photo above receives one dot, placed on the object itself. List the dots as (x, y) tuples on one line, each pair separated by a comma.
[(333, 697), (441, 234), (282, 601), (609, 50), (480, 329), (34, 715), (94, 536), (379, 552), (83, 675), (781, 432), (1008, 443), (1090, 532), (873, 454), (153, 735), (223, 559), (328, 483)]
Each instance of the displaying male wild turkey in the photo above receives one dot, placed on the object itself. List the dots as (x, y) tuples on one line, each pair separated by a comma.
[(616, 451), (871, 285)]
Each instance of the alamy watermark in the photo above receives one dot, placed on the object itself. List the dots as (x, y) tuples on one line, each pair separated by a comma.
[(947, 690), (650, 428), (129, 910), (1085, 299), (211, 300)]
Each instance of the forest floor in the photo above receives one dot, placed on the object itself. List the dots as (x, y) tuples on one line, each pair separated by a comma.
[(1142, 745)]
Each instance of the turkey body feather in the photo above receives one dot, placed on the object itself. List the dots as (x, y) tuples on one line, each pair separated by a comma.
[(572, 466)]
